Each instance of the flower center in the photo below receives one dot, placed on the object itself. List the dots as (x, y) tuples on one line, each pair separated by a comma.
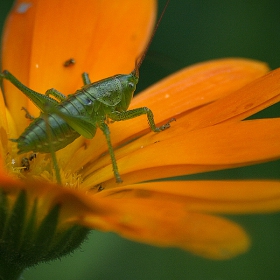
[(40, 167)]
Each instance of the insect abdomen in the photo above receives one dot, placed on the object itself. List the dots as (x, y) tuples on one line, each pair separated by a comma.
[(36, 137)]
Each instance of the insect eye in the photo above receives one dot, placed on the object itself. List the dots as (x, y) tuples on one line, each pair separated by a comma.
[(131, 85)]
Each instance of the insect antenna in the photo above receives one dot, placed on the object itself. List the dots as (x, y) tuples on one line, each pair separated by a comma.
[(141, 58)]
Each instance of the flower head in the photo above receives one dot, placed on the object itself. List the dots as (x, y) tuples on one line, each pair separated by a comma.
[(210, 102)]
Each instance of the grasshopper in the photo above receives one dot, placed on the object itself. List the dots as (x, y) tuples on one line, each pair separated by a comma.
[(65, 118)]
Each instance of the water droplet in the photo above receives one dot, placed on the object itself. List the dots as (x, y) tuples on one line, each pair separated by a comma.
[(23, 7)]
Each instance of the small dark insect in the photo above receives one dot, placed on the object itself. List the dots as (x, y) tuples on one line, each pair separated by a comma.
[(69, 62), (32, 156), (25, 162)]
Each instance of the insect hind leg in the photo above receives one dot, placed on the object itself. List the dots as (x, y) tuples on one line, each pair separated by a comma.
[(37, 98), (52, 150), (8, 76), (105, 129)]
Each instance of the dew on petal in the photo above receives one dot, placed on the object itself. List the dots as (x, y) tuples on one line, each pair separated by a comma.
[(23, 7)]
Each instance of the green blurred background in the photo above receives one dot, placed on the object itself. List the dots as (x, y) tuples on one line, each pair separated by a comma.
[(191, 31)]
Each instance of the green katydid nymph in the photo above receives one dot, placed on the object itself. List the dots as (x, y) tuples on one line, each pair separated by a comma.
[(66, 118)]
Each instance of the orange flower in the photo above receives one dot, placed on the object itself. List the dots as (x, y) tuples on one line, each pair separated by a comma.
[(209, 101)]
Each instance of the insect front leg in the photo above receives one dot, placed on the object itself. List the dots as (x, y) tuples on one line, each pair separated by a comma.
[(131, 114), (86, 79), (104, 127)]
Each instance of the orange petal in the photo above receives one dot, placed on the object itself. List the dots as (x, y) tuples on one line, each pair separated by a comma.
[(16, 54), (226, 145), (7, 131), (199, 84), (250, 99), (231, 197), (102, 38), (169, 224)]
